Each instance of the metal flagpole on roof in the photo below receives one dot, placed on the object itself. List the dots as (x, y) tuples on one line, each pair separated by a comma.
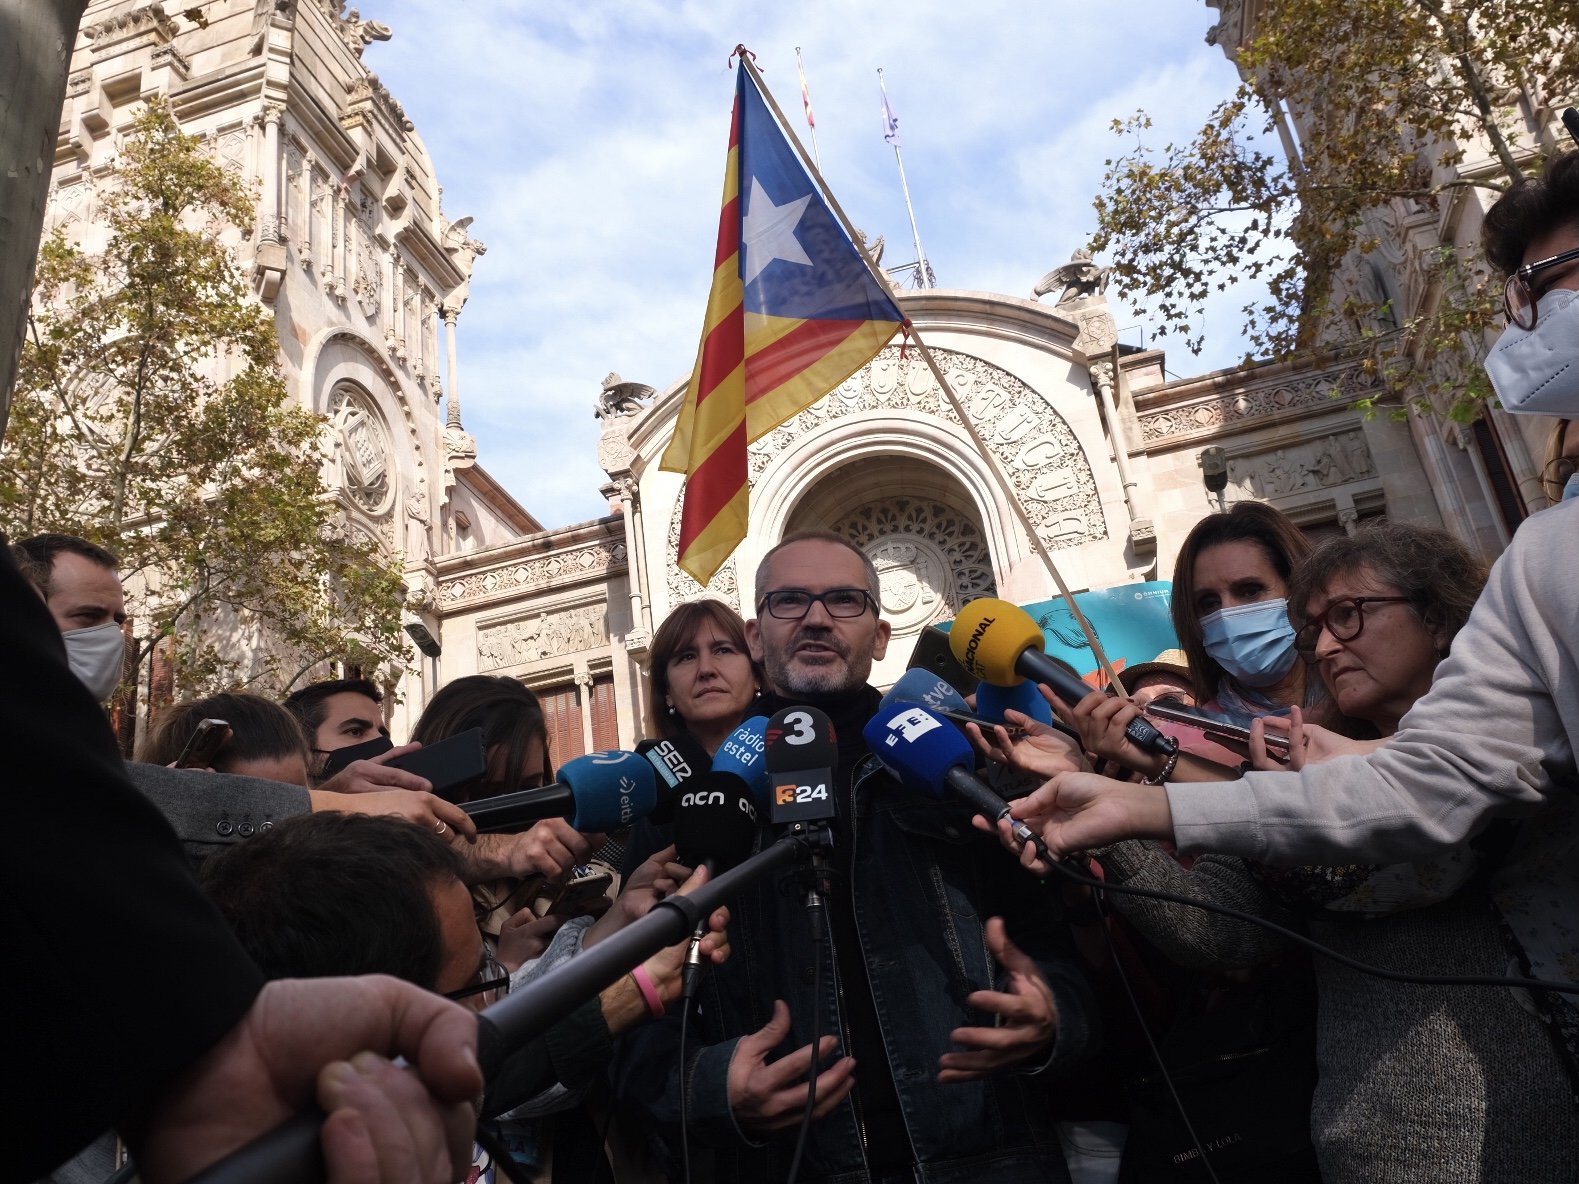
[(924, 276), (805, 98)]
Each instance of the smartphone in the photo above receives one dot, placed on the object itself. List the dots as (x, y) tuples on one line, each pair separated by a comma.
[(1220, 731), (451, 764), (366, 750), (965, 717), (207, 739)]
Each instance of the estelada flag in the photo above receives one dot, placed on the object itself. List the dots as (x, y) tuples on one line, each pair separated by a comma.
[(793, 312)]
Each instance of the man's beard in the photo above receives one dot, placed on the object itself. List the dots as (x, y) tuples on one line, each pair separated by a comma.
[(790, 679)]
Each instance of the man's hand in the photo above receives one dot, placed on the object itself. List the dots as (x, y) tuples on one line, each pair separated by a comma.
[(327, 1040), (551, 848), (1027, 1017), (444, 818), (375, 774), (1076, 811), (768, 1097)]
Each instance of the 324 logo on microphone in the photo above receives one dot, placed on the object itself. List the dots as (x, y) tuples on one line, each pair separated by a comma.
[(794, 795)]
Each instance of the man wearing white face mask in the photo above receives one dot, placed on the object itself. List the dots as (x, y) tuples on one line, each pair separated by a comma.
[(81, 584), (1497, 733)]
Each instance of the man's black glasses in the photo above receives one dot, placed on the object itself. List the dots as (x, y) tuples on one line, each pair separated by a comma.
[(791, 604)]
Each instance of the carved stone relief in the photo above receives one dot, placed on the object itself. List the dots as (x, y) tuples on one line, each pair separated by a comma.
[(930, 558), (1317, 464), (1209, 415), (362, 461), (540, 571), (548, 635), (725, 584)]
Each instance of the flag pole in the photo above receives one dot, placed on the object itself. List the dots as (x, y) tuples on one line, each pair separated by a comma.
[(924, 276), (1004, 487), (805, 98)]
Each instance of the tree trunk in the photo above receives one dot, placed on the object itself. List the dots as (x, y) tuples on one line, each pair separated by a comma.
[(36, 39)]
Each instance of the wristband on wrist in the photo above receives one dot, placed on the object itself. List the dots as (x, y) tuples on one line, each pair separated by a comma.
[(649, 991), (1162, 774)]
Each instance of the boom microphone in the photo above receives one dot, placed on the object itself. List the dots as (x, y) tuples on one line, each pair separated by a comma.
[(601, 791), (930, 756), (1000, 643)]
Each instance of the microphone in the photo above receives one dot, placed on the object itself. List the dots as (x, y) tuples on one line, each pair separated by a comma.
[(675, 760), (802, 753), (924, 687), (743, 755), (1000, 643), (601, 791), (992, 701), (715, 823), (929, 756)]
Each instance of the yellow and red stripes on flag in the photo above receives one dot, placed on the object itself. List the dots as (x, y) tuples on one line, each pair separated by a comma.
[(709, 443)]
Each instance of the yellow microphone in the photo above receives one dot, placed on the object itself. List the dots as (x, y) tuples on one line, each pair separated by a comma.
[(999, 643)]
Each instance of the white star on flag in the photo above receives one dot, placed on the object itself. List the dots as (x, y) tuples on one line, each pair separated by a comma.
[(768, 232)]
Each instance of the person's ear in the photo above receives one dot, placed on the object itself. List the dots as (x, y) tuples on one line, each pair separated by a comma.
[(884, 631), (754, 640)]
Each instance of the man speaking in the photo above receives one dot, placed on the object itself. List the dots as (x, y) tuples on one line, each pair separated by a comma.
[(948, 997)]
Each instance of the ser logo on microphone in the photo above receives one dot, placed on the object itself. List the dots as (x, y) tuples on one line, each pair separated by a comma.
[(910, 727), (674, 761)]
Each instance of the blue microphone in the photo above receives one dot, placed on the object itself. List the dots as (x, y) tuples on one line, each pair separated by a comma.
[(992, 701), (744, 755), (929, 755), (924, 687), (601, 791)]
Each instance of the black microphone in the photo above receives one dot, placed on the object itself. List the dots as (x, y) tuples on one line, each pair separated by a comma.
[(715, 824), (675, 760), (802, 753), (601, 791)]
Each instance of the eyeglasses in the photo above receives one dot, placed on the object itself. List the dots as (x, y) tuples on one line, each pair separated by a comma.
[(791, 604), (1343, 619), (492, 985), (1555, 475), (1519, 299)]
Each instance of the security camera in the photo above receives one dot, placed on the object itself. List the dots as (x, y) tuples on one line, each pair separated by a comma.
[(425, 640)]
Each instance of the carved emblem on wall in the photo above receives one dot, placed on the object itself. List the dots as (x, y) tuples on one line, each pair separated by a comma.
[(547, 635), (725, 584), (361, 450), (930, 558), (1317, 464)]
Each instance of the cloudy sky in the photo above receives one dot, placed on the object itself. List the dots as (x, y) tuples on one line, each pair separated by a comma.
[(587, 140)]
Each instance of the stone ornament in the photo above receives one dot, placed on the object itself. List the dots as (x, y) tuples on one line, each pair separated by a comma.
[(1319, 464), (556, 635), (597, 561), (930, 558), (361, 453), (1182, 422)]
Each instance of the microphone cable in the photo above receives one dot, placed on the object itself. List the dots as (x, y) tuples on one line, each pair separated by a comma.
[(816, 907)]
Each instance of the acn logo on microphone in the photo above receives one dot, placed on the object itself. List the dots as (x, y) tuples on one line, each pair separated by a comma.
[(911, 726)]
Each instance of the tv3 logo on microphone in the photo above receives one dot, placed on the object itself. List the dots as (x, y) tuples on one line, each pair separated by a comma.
[(911, 726)]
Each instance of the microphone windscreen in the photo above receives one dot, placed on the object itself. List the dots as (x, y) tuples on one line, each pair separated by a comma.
[(744, 755), (675, 760), (917, 747), (612, 789), (924, 687), (988, 637), (1024, 696), (801, 738), (714, 821)]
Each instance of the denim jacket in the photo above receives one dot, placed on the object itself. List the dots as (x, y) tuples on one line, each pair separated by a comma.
[(925, 884)]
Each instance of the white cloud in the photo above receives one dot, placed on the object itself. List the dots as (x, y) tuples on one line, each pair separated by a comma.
[(588, 141)]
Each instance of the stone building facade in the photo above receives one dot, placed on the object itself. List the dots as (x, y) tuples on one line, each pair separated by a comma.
[(1086, 443)]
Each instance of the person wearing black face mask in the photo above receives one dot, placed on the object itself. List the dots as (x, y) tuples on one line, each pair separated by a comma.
[(340, 714)]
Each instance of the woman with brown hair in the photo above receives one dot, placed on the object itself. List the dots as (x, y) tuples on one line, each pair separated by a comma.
[(702, 676)]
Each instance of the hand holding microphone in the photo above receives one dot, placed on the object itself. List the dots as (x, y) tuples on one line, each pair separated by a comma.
[(1000, 643)]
